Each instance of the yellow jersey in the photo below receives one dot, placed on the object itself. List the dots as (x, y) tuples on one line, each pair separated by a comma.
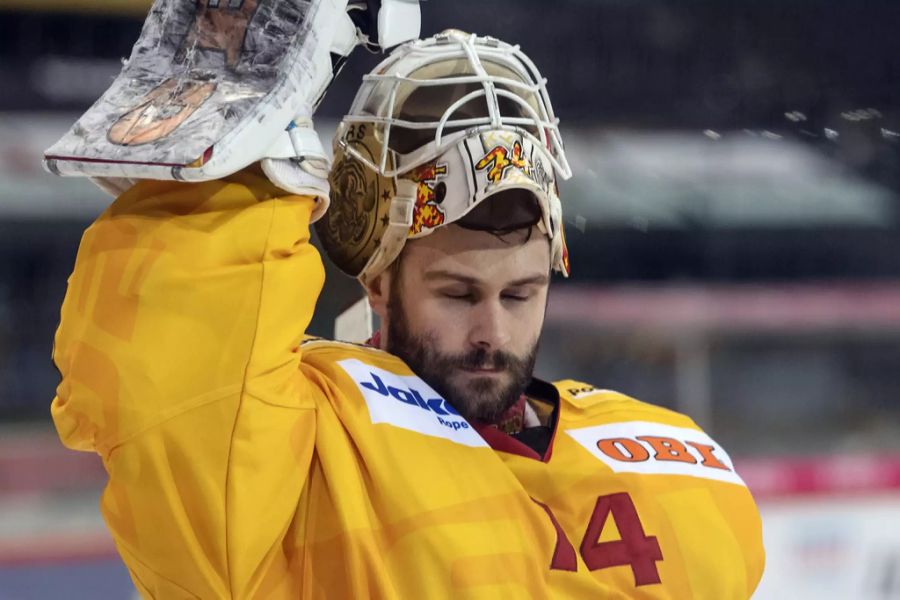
[(245, 461)]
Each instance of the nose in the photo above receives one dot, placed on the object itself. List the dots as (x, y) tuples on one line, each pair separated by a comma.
[(490, 326)]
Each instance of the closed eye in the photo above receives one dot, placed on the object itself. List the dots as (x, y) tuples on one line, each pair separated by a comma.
[(515, 297), (461, 297)]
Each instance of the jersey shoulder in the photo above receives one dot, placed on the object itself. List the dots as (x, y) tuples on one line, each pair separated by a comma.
[(318, 352), (683, 484), (584, 401), (638, 438)]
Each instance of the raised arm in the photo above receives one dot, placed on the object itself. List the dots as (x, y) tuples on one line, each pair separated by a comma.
[(178, 354)]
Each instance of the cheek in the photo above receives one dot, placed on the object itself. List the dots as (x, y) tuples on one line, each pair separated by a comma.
[(528, 323), (441, 323)]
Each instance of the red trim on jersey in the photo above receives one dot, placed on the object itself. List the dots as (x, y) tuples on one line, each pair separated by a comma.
[(498, 440), (553, 432), (564, 557), (504, 442)]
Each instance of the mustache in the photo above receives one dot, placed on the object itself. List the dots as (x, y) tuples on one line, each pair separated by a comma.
[(483, 359)]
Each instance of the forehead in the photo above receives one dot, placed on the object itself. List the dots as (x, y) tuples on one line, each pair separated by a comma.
[(479, 255)]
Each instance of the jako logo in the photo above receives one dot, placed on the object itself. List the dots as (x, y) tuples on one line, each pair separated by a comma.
[(439, 406), (408, 402)]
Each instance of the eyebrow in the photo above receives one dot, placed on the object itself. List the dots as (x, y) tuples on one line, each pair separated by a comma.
[(540, 279)]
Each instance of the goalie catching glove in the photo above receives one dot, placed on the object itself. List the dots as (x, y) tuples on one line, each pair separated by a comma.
[(213, 86)]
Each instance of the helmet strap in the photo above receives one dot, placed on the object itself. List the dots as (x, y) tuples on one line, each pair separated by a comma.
[(395, 234)]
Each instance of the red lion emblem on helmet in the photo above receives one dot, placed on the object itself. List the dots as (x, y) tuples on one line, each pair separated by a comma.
[(427, 213)]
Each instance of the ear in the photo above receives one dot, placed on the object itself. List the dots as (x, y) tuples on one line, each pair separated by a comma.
[(377, 289)]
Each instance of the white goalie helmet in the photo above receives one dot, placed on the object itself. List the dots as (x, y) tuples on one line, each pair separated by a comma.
[(438, 127)]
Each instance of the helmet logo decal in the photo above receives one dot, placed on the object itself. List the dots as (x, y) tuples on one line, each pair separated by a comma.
[(352, 227), (349, 221), (427, 213), (567, 269), (499, 159)]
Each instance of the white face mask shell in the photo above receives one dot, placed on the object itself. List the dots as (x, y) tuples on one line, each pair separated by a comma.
[(471, 172)]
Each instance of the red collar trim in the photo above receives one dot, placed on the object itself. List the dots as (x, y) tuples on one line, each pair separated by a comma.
[(503, 442)]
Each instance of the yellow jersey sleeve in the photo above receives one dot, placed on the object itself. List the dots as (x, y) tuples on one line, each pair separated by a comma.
[(178, 350), (673, 517)]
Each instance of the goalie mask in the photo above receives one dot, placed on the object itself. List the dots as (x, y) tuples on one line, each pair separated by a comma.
[(438, 128)]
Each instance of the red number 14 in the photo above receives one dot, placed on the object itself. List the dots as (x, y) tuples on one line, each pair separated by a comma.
[(633, 548)]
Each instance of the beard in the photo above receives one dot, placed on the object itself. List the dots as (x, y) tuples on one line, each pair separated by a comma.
[(484, 398)]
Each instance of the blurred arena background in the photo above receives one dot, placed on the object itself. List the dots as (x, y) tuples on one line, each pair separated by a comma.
[(734, 226)]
